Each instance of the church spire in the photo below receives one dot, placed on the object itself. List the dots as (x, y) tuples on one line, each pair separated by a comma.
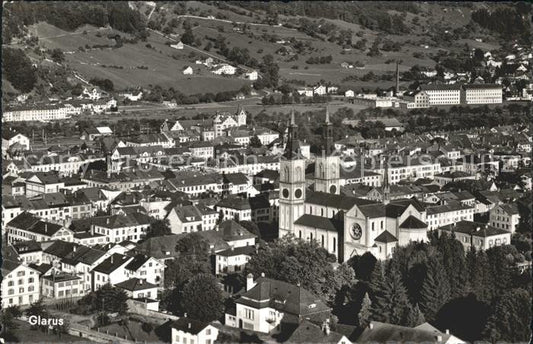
[(327, 134), (386, 186), (292, 147)]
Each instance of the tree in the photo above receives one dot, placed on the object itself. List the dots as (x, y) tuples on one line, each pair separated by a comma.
[(188, 36), (297, 261), (158, 228), (37, 309), (18, 69), (435, 289), (390, 303), (415, 316), (57, 55), (363, 318), (251, 227), (193, 259), (202, 298), (255, 142), (510, 320), (480, 279)]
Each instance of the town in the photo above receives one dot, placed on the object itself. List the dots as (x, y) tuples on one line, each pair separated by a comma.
[(251, 202)]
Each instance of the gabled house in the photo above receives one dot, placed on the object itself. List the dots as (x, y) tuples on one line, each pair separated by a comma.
[(268, 305), (20, 284), (29, 227), (112, 270), (188, 331)]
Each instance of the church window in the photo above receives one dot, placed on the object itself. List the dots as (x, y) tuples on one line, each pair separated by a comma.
[(322, 212), (310, 236), (381, 224), (310, 210), (334, 244), (372, 225), (300, 234), (322, 240), (321, 170)]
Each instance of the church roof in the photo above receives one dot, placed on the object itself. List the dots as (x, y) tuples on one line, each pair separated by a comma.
[(386, 237), (315, 221), (413, 222), (335, 201)]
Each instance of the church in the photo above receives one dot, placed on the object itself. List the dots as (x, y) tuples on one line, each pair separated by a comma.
[(345, 226)]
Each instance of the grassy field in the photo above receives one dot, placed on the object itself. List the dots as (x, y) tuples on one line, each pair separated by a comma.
[(164, 64), (26, 335)]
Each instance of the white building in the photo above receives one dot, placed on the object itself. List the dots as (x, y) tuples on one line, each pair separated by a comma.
[(225, 69), (482, 94), (20, 284), (189, 331), (36, 113), (253, 75), (187, 71), (443, 94), (478, 235), (349, 94), (505, 216)]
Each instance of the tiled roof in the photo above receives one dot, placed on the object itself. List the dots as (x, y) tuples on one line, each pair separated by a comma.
[(307, 332), (386, 237), (134, 284), (283, 296), (335, 201), (474, 228), (189, 325), (112, 263), (413, 222), (314, 221), (383, 333), (231, 230)]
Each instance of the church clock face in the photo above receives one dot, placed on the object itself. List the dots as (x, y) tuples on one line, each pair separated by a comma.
[(298, 193), (285, 193), (332, 189), (356, 232)]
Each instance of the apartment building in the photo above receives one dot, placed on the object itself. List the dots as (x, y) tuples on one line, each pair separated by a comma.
[(20, 284), (443, 94), (482, 94)]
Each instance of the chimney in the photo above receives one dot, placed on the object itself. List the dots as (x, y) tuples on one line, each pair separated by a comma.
[(262, 274), (371, 326), (46, 227), (111, 259), (189, 325), (447, 331), (249, 282), (439, 338), (184, 315), (74, 249), (478, 229), (140, 282)]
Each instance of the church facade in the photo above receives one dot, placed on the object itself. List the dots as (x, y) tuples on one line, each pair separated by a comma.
[(345, 226)]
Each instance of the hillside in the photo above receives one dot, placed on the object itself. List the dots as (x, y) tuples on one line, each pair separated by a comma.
[(308, 44)]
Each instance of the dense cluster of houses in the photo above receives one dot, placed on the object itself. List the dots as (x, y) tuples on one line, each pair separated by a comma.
[(91, 100), (70, 228)]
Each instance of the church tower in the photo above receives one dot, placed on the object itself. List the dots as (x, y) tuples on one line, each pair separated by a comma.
[(291, 182), (241, 116), (327, 165), (386, 186)]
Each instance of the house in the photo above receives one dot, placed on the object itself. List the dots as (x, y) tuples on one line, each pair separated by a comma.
[(62, 286), (28, 252), (378, 332), (349, 94), (235, 234), (235, 183), (268, 305), (27, 226), (137, 288), (477, 235), (120, 227), (253, 75), (308, 332), (190, 331), (112, 271), (132, 97), (178, 45), (187, 70), (234, 208), (15, 141), (43, 183), (147, 268), (232, 259), (225, 69), (505, 216), (91, 133), (20, 284)]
